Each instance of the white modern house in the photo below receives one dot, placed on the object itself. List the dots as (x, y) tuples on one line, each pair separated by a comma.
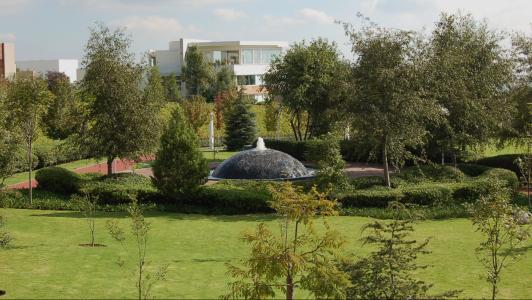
[(249, 60), (67, 66)]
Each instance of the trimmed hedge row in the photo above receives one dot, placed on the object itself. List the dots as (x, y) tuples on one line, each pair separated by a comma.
[(505, 161), (120, 188), (58, 180), (428, 192)]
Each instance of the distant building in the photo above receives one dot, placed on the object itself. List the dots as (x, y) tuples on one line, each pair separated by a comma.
[(249, 60), (67, 66), (8, 67)]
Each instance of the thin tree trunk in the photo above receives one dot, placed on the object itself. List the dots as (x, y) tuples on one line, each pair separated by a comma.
[(110, 165), (442, 158), (385, 162), (454, 159), (30, 159), (289, 287)]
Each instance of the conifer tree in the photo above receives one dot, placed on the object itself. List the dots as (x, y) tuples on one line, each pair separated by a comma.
[(240, 126), (179, 167)]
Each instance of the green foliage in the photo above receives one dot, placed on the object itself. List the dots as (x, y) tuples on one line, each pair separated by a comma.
[(171, 88), (197, 111), (87, 206), (389, 272), (296, 257), (388, 106), (66, 113), (179, 168), (224, 81), (120, 188), (312, 81), (470, 75), (326, 154), (58, 180), (124, 120), (240, 125), (431, 172), (9, 145), (495, 218), (197, 73), (505, 161)]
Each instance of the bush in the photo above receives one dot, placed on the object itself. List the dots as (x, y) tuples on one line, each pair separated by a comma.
[(120, 188), (428, 194), (505, 161), (472, 169), (59, 180), (431, 172), (503, 174), (179, 168), (297, 149), (370, 197), (234, 196)]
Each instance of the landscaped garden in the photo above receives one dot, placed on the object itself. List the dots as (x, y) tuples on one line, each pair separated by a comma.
[(444, 211)]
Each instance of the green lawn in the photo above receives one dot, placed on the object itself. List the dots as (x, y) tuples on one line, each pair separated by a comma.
[(23, 176), (45, 260)]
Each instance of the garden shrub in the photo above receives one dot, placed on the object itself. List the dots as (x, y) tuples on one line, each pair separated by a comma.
[(505, 161), (234, 196), (370, 197), (503, 174), (431, 172), (428, 194), (473, 170), (59, 180), (120, 188), (366, 182), (297, 149)]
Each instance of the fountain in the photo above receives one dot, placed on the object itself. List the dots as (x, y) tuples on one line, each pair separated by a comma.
[(261, 163)]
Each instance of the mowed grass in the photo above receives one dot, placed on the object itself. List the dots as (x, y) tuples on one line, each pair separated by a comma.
[(45, 260)]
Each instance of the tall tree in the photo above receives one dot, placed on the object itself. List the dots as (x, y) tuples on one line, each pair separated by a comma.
[(27, 99), (124, 121), (197, 72), (9, 141), (296, 257), (470, 77), (225, 80), (171, 88), (64, 115), (197, 111), (240, 125), (389, 105), (312, 81), (179, 168)]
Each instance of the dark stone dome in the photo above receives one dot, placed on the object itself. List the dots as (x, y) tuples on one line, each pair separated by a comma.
[(260, 164)]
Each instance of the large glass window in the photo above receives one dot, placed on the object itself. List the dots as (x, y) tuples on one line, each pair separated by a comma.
[(233, 57), (247, 56), (268, 55), (246, 80), (217, 57), (256, 56)]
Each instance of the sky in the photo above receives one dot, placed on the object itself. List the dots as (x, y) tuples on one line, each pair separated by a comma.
[(52, 29)]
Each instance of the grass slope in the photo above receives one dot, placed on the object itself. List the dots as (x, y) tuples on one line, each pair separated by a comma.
[(45, 260)]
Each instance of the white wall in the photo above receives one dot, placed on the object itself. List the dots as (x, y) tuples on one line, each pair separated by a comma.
[(67, 66), (168, 61)]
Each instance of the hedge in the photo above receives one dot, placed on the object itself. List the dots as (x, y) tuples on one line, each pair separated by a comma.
[(505, 161), (120, 188), (431, 172), (59, 180)]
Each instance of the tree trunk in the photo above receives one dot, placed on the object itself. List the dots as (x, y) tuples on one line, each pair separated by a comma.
[(454, 159), (110, 165), (30, 159), (385, 162), (442, 158), (289, 287)]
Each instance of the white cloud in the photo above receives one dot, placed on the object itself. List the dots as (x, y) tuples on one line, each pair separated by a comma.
[(151, 23), (7, 37), (314, 15), (229, 14), (303, 16)]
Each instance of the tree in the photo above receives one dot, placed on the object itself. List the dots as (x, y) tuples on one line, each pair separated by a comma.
[(240, 128), (312, 81), (171, 88), (27, 100), (470, 76), (86, 205), (388, 272), (197, 73), (179, 167), (9, 141), (197, 111), (225, 80), (296, 257), (389, 105), (63, 115), (140, 230), (325, 152), (495, 218), (124, 120), (5, 236)]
